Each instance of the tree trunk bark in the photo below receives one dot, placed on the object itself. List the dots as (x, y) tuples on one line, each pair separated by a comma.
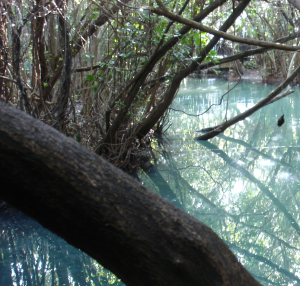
[(130, 230)]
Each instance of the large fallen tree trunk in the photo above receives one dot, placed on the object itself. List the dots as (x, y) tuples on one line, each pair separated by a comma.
[(130, 230)]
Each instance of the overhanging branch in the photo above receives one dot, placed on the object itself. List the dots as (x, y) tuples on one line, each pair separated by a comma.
[(201, 27), (267, 100)]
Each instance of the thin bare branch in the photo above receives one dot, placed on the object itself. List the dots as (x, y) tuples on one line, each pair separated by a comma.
[(222, 127)]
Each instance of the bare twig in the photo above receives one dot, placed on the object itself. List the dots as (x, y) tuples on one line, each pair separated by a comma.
[(8, 79), (196, 115)]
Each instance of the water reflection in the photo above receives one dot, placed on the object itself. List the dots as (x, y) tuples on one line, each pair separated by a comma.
[(33, 256), (245, 182)]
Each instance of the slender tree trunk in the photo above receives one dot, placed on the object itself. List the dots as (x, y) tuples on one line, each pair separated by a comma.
[(142, 75), (170, 94)]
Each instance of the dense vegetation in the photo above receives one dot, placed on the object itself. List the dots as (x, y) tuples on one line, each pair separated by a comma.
[(106, 72)]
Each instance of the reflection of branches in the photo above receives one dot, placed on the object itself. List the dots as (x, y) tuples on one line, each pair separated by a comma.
[(294, 198), (265, 261), (186, 185), (14, 255), (164, 188), (264, 279), (279, 163), (259, 229), (198, 167), (205, 200), (215, 104), (248, 146), (275, 171), (216, 210), (258, 183), (32, 255)]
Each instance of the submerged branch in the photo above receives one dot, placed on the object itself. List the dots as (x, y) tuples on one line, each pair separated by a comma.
[(196, 115), (270, 98), (263, 259)]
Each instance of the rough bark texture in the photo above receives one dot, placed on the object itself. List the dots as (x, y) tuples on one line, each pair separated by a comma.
[(96, 207)]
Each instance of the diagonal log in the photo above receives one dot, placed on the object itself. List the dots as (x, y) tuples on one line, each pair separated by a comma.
[(130, 230)]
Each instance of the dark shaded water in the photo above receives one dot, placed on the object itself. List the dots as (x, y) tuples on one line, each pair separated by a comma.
[(244, 184), (32, 255)]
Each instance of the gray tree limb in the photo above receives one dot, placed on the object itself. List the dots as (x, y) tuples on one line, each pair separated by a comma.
[(224, 35), (267, 100)]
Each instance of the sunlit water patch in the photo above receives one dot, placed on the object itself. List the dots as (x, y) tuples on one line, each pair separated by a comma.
[(245, 182)]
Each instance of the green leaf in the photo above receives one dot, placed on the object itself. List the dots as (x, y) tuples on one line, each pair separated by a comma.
[(90, 77)]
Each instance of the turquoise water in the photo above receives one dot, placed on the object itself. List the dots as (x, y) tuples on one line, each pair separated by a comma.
[(32, 255), (243, 183)]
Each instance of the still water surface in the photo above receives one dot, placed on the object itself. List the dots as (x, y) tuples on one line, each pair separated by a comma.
[(244, 184)]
